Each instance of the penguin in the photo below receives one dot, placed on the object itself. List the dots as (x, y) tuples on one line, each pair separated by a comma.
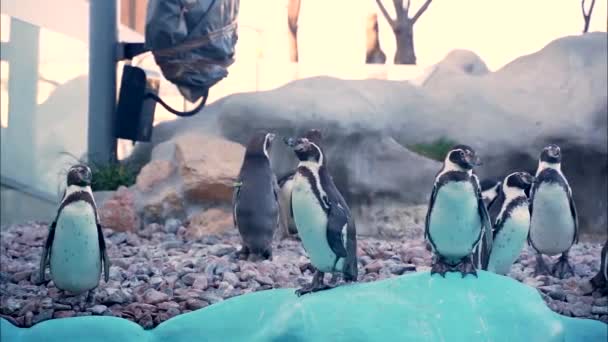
[(489, 191), (255, 205), (286, 185), (512, 224), (323, 219), (75, 246), (554, 221), (600, 281), (457, 217)]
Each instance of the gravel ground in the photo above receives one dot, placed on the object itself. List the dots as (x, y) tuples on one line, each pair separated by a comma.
[(156, 274)]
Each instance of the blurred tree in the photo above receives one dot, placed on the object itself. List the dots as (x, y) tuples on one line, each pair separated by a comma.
[(373, 51), (293, 13), (587, 14), (403, 27)]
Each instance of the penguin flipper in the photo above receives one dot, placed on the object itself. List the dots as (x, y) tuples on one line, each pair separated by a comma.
[(235, 202), (337, 223), (104, 253), (574, 214), (427, 220), (486, 232), (46, 250)]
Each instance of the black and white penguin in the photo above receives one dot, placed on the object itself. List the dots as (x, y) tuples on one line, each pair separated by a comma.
[(512, 224), (554, 222), (600, 281), (323, 219), (456, 217), (286, 185), (255, 199), (75, 246), (489, 191)]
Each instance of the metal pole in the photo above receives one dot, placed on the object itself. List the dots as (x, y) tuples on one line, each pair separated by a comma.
[(103, 38)]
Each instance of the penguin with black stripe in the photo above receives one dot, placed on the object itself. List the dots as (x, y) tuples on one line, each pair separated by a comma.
[(255, 199), (490, 189), (554, 221), (600, 281), (75, 247), (286, 185), (512, 224), (323, 219), (457, 217)]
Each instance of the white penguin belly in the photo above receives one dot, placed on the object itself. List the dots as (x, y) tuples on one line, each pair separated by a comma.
[(509, 241), (454, 223), (75, 255), (311, 222), (552, 225)]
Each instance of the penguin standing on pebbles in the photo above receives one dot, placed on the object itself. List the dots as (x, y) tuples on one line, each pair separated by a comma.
[(456, 217), (512, 224), (554, 222), (600, 281), (322, 217), (286, 186), (75, 245), (255, 199)]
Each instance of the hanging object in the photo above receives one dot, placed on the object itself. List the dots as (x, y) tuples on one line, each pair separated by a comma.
[(192, 42)]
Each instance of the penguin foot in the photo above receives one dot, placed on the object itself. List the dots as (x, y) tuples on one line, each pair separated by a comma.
[(562, 268), (441, 267), (467, 267), (598, 282), (541, 266), (311, 289), (243, 254)]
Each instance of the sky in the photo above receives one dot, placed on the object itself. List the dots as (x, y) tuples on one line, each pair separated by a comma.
[(333, 31)]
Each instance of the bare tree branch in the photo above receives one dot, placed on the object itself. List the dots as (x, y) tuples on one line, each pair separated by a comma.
[(407, 7), (422, 9), (293, 14), (398, 5), (587, 15), (385, 13)]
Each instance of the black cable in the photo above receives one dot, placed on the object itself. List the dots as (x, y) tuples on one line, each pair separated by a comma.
[(177, 112)]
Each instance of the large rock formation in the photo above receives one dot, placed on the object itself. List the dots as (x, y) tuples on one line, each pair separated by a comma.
[(413, 307), (558, 94)]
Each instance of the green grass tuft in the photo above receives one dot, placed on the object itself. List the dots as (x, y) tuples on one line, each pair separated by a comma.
[(112, 176), (435, 150)]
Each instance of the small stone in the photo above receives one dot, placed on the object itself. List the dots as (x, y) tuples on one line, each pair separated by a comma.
[(221, 250), (59, 306), (43, 316), (374, 266), (115, 296), (171, 225), (153, 297), (602, 301), (231, 278), (580, 309), (146, 321), (400, 269), (200, 283), (248, 274), (167, 305), (599, 310), (211, 298), (28, 318), (171, 244), (97, 309), (264, 280), (172, 312), (19, 276), (195, 304), (12, 305), (64, 314)]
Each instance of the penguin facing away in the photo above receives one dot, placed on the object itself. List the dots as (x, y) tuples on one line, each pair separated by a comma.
[(323, 219), (554, 221), (600, 281), (490, 189), (456, 217), (512, 224), (255, 199), (286, 186), (75, 246)]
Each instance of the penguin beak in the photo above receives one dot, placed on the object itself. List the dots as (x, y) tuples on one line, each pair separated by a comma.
[(554, 151), (473, 160), (271, 136)]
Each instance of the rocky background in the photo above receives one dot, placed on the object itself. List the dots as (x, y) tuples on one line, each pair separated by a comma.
[(159, 272)]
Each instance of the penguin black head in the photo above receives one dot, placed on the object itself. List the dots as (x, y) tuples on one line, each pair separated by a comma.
[(79, 175), (520, 180), (305, 149), (314, 135), (551, 154), (462, 157), (259, 145)]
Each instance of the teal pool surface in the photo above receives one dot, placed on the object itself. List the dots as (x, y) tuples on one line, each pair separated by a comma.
[(413, 307)]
